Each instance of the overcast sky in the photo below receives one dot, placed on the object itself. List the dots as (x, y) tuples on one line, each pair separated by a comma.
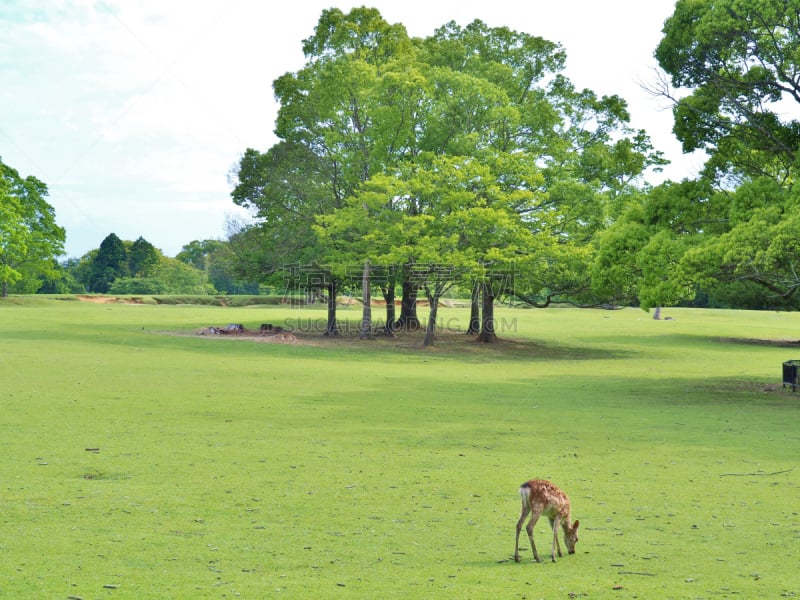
[(133, 113)]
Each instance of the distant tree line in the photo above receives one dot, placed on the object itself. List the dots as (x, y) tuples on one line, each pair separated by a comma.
[(138, 267)]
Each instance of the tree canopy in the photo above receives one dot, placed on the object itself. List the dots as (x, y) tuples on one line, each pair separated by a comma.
[(468, 150), (740, 62), (30, 238), (737, 65)]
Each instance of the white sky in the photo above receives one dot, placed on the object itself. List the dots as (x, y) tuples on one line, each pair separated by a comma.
[(133, 112)]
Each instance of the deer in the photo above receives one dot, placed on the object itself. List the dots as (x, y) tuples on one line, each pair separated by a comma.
[(540, 497)]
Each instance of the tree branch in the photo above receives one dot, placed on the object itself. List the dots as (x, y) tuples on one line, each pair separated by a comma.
[(755, 474)]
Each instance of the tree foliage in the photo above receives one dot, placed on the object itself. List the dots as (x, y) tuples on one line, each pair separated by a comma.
[(143, 258), (30, 239), (216, 259), (110, 263), (168, 276), (739, 64), (467, 150)]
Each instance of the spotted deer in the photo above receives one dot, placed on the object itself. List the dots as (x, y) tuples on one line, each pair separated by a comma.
[(540, 497)]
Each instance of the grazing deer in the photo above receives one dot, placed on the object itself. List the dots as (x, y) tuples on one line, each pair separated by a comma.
[(540, 497)]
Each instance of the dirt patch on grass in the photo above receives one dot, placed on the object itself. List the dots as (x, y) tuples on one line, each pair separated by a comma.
[(446, 342), (350, 337), (777, 343), (110, 299), (266, 333)]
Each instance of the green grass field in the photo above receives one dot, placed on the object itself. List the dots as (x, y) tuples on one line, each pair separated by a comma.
[(137, 463)]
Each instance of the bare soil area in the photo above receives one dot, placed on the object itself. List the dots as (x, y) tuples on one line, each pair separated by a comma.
[(109, 299), (266, 333)]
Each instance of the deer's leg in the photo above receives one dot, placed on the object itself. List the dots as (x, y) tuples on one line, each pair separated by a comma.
[(529, 529), (556, 545), (525, 511)]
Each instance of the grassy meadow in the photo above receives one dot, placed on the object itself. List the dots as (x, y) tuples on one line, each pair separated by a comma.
[(140, 460)]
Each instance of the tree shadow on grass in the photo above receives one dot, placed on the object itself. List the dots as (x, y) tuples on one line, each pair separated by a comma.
[(773, 343), (457, 344), (449, 343)]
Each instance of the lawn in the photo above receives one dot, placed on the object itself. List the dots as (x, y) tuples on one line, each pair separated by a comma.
[(140, 460)]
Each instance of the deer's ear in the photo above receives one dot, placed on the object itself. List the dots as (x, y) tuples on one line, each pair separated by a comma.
[(575, 525)]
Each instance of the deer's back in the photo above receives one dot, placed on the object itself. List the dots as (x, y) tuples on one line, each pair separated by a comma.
[(545, 497)]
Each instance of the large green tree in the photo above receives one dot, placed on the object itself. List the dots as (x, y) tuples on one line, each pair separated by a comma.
[(374, 110), (739, 62), (285, 188), (737, 68), (30, 239), (339, 122)]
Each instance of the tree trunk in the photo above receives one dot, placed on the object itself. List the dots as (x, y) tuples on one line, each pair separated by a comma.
[(388, 296), (487, 334), (331, 329), (430, 329), (4, 290), (366, 315), (475, 310), (408, 309)]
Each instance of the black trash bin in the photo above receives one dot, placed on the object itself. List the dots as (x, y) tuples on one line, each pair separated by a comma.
[(791, 370)]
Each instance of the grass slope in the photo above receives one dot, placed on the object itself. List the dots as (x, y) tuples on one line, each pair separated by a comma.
[(137, 464)]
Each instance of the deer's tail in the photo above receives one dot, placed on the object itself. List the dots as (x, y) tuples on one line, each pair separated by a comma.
[(525, 494)]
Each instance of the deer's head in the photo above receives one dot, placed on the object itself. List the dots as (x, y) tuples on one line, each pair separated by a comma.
[(571, 535)]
